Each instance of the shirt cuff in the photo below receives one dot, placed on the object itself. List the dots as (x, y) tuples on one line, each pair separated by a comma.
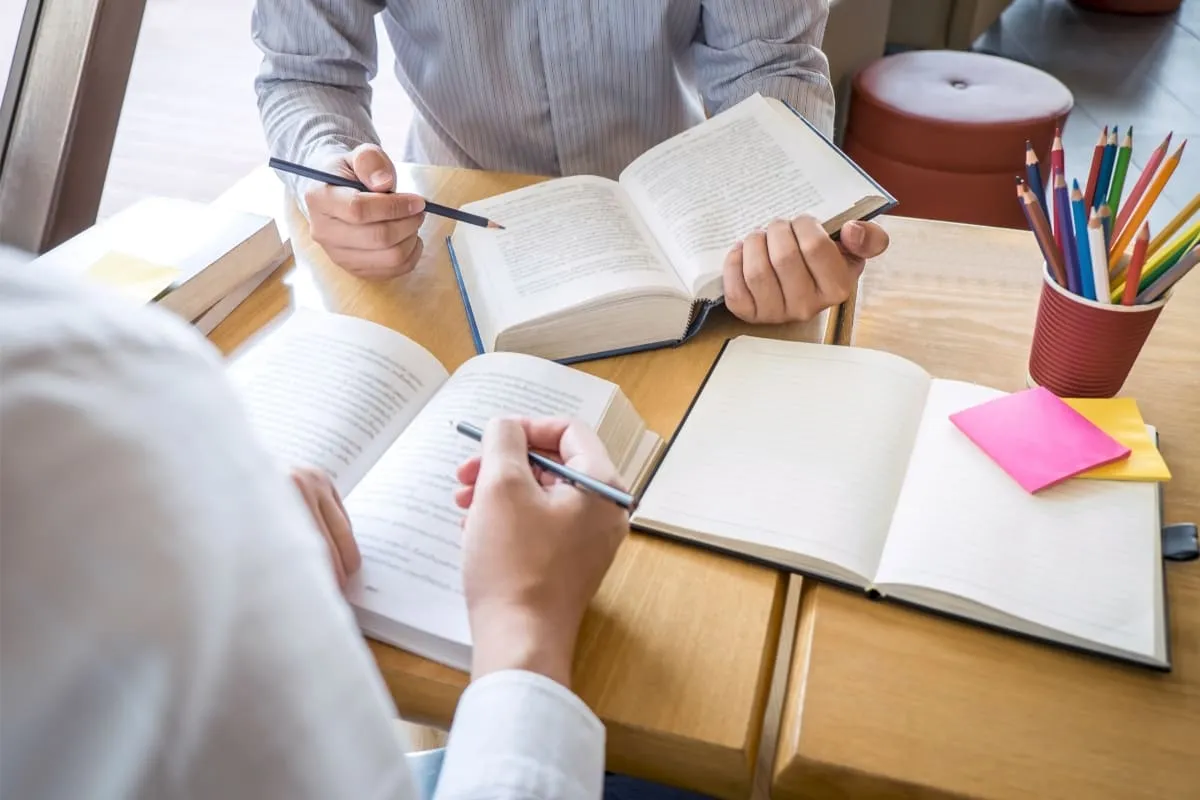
[(523, 734)]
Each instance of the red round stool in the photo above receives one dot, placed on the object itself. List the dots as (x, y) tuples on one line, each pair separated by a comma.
[(944, 131), (1130, 6)]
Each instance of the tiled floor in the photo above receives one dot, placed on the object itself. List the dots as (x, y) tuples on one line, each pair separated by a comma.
[(190, 127), (1139, 71)]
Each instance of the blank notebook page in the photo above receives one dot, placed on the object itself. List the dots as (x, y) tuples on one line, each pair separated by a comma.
[(794, 446), (1079, 557)]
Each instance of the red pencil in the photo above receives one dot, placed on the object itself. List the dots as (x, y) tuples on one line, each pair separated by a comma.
[(1058, 161), (1133, 273), (1131, 202), (1094, 172)]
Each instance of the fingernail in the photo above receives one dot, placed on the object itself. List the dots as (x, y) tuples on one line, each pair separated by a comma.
[(381, 179), (738, 245), (853, 234), (416, 205)]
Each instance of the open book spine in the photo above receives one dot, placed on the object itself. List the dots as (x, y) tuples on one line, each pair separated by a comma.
[(700, 311)]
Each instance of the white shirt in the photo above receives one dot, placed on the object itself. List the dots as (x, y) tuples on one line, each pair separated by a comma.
[(169, 624)]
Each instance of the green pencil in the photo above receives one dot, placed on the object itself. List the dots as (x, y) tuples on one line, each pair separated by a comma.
[(1118, 176)]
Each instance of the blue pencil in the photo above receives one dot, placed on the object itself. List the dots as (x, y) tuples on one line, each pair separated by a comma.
[(1062, 213), (1083, 253), (1106, 170), (1033, 177)]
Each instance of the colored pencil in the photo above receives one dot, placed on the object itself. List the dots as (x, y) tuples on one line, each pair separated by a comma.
[(1033, 176), (1094, 173), (1169, 255), (1106, 170), (1134, 273), (1041, 232), (1058, 159), (1175, 224), (1083, 250), (1098, 252), (1164, 282), (1106, 223), (1135, 194), (350, 183), (1062, 217), (568, 475), (1143, 207), (1120, 170)]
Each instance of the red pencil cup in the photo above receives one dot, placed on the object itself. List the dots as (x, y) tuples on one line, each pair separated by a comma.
[(1082, 348)]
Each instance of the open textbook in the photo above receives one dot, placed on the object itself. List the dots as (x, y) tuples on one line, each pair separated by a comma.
[(374, 410), (588, 267), (841, 463)]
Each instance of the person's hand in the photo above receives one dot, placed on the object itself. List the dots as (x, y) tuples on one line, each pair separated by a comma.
[(373, 235), (534, 549), (321, 497), (793, 270)]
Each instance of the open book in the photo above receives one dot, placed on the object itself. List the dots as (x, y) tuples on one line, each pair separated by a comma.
[(588, 267), (374, 410), (842, 463)]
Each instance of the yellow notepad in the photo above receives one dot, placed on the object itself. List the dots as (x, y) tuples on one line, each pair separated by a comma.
[(1120, 418), (140, 280)]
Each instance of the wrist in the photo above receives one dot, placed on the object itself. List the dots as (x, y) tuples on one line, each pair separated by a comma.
[(521, 639)]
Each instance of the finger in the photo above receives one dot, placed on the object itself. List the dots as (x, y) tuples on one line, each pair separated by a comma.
[(372, 166), (332, 231), (795, 282), (361, 208), (338, 525), (830, 271), (864, 239), (463, 496), (504, 457), (760, 279), (738, 299), (379, 264), (578, 447), (468, 471), (314, 505)]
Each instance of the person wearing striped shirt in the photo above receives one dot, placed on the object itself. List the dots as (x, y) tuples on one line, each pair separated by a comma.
[(551, 88)]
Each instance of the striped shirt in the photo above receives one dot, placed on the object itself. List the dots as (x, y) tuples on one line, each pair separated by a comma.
[(550, 87)]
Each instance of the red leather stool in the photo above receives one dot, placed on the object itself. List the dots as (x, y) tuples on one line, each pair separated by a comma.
[(1130, 6), (944, 131)]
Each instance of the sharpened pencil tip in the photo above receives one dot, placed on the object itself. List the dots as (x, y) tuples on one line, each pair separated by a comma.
[(495, 225)]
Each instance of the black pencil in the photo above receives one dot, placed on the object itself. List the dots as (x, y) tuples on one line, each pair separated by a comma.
[(350, 183), (573, 477)]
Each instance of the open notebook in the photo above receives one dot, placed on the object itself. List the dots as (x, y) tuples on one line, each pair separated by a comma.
[(588, 267), (374, 410), (841, 463)]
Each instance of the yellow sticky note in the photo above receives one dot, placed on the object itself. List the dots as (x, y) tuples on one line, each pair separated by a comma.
[(140, 280), (1120, 418)]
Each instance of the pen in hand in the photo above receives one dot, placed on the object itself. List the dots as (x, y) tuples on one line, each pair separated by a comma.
[(564, 473), (350, 183)]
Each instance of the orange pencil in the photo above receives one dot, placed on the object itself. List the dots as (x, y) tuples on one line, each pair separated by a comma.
[(1127, 207), (1143, 207), (1133, 275), (1094, 172)]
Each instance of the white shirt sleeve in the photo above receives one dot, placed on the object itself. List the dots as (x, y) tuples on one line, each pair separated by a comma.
[(169, 623)]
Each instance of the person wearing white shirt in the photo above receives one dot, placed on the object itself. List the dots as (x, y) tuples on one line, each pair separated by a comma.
[(170, 621)]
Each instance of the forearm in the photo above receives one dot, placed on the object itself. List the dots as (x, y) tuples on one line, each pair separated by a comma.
[(767, 46), (517, 734), (314, 92)]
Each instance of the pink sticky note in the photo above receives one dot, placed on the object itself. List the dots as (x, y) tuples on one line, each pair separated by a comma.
[(1037, 438)]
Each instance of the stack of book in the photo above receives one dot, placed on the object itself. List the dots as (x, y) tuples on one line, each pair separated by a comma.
[(199, 261)]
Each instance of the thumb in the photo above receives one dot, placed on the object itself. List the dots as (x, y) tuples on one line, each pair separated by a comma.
[(863, 239), (372, 166), (504, 456)]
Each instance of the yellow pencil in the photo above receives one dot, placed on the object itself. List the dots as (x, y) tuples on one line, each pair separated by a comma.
[(1139, 214), (1152, 262), (1175, 224)]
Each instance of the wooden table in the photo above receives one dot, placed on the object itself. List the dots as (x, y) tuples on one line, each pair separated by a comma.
[(677, 650), (883, 701)]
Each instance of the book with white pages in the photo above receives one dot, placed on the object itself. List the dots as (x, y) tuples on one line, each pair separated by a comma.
[(842, 464), (375, 410), (588, 267)]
